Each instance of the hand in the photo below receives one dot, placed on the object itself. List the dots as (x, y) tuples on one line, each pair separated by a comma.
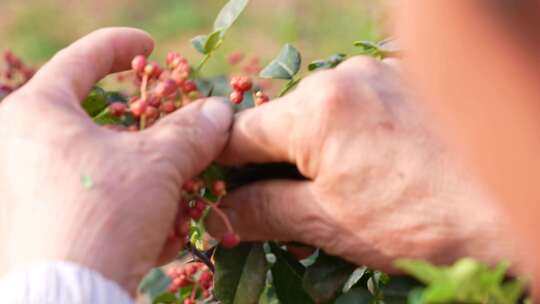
[(117, 225), (379, 187)]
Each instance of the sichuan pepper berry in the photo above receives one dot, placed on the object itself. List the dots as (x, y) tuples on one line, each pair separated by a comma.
[(237, 97)]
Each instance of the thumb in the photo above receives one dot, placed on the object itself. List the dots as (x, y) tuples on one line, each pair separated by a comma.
[(192, 137)]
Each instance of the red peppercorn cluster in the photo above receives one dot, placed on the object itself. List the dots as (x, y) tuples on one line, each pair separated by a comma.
[(192, 275), (13, 73), (162, 90), (194, 204)]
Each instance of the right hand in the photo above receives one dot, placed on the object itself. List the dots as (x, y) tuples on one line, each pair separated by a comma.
[(379, 186)]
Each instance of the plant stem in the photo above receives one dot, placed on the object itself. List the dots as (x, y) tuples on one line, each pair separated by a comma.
[(290, 85), (144, 87), (202, 64), (142, 122), (223, 217), (200, 256)]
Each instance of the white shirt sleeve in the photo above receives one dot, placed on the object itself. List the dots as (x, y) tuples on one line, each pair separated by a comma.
[(60, 283)]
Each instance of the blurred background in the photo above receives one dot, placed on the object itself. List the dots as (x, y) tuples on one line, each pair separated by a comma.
[(36, 29)]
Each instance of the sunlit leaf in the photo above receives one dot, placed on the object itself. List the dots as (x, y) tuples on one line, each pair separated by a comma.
[(285, 66), (229, 13)]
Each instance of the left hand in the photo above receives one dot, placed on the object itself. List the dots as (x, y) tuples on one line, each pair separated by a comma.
[(118, 220)]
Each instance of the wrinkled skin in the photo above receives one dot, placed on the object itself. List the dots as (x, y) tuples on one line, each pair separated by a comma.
[(380, 185), (71, 190)]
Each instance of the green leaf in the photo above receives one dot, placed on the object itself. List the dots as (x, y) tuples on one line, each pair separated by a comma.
[(330, 63), (269, 295), (214, 86), (229, 13), (165, 298), (367, 46), (240, 273), (356, 296), (154, 283), (113, 96), (416, 296), (213, 42), (199, 42), (287, 275), (423, 271), (357, 274), (95, 102), (324, 279), (285, 66), (397, 290), (106, 118)]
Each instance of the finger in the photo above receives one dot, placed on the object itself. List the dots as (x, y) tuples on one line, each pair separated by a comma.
[(262, 134), (170, 251), (273, 210), (192, 137), (77, 68)]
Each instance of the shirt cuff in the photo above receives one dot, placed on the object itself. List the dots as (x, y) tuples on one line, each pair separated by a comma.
[(60, 283)]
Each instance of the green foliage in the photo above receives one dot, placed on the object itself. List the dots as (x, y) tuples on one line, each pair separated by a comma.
[(285, 66), (384, 49), (240, 273), (154, 284), (287, 274), (329, 63), (96, 102), (228, 15), (206, 44), (326, 277), (466, 281)]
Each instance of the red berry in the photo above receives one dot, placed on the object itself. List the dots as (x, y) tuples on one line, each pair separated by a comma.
[(206, 294), (166, 88), (151, 113), (172, 288), (189, 301), (200, 205), (190, 269), (234, 82), (235, 58), (230, 240), (154, 101), (245, 84), (118, 109), (261, 98), (189, 86), (219, 188), (195, 213), (181, 281), (138, 64), (152, 70), (241, 83), (174, 60), (237, 97), (192, 186), (138, 107), (168, 107), (205, 277)]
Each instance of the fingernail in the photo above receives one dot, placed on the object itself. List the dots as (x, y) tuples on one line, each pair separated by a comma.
[(218, 111)]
